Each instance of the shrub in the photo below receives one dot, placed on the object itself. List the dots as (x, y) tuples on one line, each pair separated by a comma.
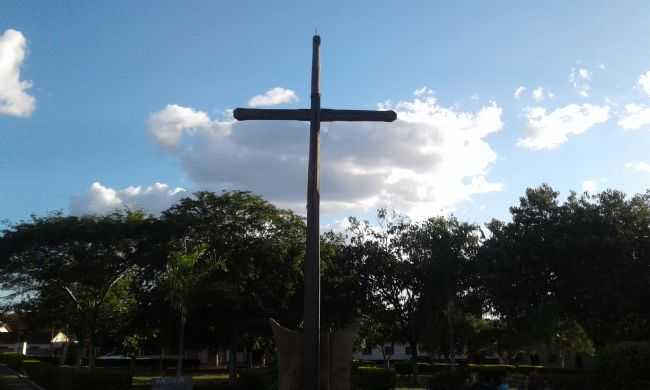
[(572, 381), (12, 359), (363, 363), (366, 378), (448, 380), (625, 365), (491, 370), (257, 379), (403, 368), (527, 369)]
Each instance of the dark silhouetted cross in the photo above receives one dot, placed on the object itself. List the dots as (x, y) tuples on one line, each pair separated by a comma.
[(315, 115)]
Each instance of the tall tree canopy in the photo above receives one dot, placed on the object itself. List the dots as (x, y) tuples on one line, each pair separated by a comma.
[(76, 261)]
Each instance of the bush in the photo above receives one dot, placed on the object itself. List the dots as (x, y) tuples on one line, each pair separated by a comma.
[(363, 363), (625, 365), (527, 369), (12, 359), (366, 378), (67, 378), (573, 381), (257, 379), (403, 368), (432, 368), (446, 380), (491, 370)]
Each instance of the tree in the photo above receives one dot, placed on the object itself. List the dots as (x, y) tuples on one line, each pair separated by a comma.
[(77, 260), (184, 274), (249, 239), (393, 285), (518, 266), (443, 252), (584, 262), (344, 284)]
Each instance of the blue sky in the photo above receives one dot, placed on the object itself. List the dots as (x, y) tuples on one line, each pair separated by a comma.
[(123, 95)]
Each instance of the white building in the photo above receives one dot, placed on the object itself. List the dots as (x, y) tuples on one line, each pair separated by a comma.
[(396, 351)]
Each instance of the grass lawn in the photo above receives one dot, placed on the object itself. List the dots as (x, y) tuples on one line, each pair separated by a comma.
[(143, 381)]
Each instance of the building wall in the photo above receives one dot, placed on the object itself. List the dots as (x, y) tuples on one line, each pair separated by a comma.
[(399, 352)]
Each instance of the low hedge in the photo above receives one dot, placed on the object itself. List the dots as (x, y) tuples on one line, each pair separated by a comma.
[(257, 379), (12, 359), (447, 380), (68, 378), (370, 378), (625, 365), (406, 367), (363, 363)]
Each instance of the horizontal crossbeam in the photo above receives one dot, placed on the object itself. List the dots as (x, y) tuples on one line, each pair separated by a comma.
[(326, 115)]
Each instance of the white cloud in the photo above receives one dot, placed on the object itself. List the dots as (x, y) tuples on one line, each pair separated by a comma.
[(424, 91), (580, 79), (102, 200), (635, 117), (591, 185), (519, 92), (644, 82), (424, 163), (538, 94), (550, 130), (14, 100), (168, 125), (273, 97), (640, 166)]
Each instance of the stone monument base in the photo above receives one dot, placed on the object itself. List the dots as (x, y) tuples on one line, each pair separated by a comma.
[(335, 358)]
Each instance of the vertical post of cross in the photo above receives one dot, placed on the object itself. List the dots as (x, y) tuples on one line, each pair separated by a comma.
[(312, 262)]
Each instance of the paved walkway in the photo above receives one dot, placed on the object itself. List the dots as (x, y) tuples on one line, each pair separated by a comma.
[(9, 380)]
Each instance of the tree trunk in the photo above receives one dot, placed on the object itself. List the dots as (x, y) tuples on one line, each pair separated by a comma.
[(181, 343), (161, 359), (64, 352), (383, 354), (232, 363), (132, 366), (414, 357), (81, 350), (91, 350), (451, 335)]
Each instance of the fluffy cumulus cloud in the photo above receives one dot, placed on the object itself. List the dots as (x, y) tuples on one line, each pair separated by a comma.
[(519, 92), (640, 166), (540, 94), (14, 100), (273, 97), (580, 79), (424, 163), (644, 82), (592, 185), (548, 130), (168, 125), (634, 117), (100, 199)]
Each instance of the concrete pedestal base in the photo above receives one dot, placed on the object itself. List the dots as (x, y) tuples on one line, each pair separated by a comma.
[(335, 358)]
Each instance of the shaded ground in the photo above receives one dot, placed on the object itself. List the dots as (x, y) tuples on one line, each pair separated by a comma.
[(9, 380), (143, 381)]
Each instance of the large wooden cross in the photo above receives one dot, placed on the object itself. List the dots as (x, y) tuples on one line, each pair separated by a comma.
[(315, 115)]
